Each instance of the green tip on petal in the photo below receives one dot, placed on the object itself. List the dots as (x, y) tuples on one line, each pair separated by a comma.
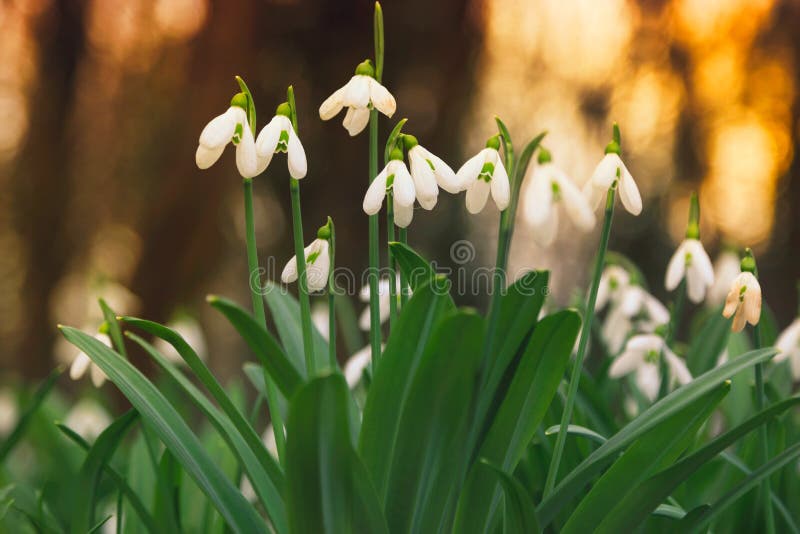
[(365, 68), (397, 154), (239, 100), (284, 109), (544, 156), (748, 264), (493, 142), (409, 141)]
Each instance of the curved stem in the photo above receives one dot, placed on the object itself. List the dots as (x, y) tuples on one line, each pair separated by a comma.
[(258, 312), (374, 249), (302, 281), (672, 330), (390, 262), (584, 340)]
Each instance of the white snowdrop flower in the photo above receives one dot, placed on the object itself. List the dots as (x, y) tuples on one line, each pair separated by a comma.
[(550, 186), (691, 261), (279, 136), (743, 302), (788, 344), (88, 419), (318, 264), (484, 173), (359, 96), (230, 127), (613, 282), (641, 355), (384, 302), (9, 412), (610, 171), (355, 365), (726, 269), (429, 173), (394, 177), (191, 332), (636, 309), (81, 363)]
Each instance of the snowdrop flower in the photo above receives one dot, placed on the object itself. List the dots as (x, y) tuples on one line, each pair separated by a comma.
[(190, 331), (384, 301), (429, 173), (610, 172), (394, 177), (482, 173), (743, 301), (691, 261), (726, 269), (9, 412), (355, 365), (550, 186), (88, 419), (231, 127), (359, 96), (318, 264), (613, 282), (634, 308), (279, 136), (81, 363), (788, 344), (642, 354)]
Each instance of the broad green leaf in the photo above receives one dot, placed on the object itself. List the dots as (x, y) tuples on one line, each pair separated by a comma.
[(648, 495), (392, 381), (700, 520), (415, 268), (519, 513), (433, 425), (167, 498), (328, 488), (708, 343), (172, 430), (263, 345), (122, 484), (525, 404), (94, 464), (285, 311), (262, 470), (33, 406), (655, 450), (577, 430), (657, 413)]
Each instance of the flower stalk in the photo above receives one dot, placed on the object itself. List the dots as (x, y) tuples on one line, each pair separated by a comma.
[(390, 261), (329, 232)]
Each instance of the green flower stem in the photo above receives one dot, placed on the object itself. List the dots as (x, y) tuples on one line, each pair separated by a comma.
[(769, 515), (374, 250), (332, 299), (584, 340), (672, 330), (390, 261), (258, 312), (403, 237), (302, 281)]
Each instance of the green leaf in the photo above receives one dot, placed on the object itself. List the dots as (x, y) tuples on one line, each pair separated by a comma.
[(433, 425), (99, 455), (657, 413), (708, 343), (167, 502), (263, 345), (524, 159), (392, 381), (578, 431), (114, 331), (285, 312), (698, 521), (648, 495), (392, 139), (519, 513), (328, 488), (508, 145), (36, 401), (656, 449), (415, 268), (264, 473), (525, 404), (172, 430)]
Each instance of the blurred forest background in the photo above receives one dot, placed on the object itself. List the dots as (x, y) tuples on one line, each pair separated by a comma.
[(102, 102)]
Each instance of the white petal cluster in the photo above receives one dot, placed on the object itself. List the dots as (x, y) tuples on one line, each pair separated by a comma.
[(318, 265), (609, 169), (359, 95), (481, 174), (279, 136), (430, 173), (230, 127), (613, 282), (692, 262), (788, 344), (82, 363), (549, 186), (743, 302), (641, 355), (384, 302), (404, 192), (634, 309)]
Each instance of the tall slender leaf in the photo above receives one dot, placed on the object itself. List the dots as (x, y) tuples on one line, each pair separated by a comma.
[(416, 269), (519, 513), (33, 406)]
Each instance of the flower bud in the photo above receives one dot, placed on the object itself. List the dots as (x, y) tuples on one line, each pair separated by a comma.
[(748, 264)]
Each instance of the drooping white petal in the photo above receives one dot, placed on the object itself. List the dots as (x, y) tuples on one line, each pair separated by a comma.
[(402, 214), (355, 120), (677, 367), (628, 361), (629, 193), (427, 190), (469, 170), (296, 156), (632, 300), (97, 375), (752, 300), (376, 192), (732, 299), (725, 269), (356, 92), (403, 186), (501, 188), (205, 157), (676, 268), (477, 194), (606, 171), (739, 320), (246, 159), (332, 105), (219, 131), (788, 342), (656, 311), (318, 268), (539, 199), (695, 285), (79, 366), (445, 176), (594, 194), (268, 137), (354, 368), (381, 98), (545, 233), (646, 343), (648, 380), (576, 205), (615, 329), (613, 281)]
